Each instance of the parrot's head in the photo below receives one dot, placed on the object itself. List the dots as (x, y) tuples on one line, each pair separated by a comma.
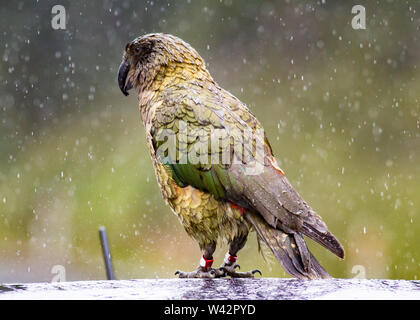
[(145, 56)]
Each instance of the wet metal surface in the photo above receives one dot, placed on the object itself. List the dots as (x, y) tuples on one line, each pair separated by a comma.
[(244, 289)]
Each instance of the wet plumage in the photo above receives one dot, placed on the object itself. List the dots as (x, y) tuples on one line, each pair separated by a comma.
[(212, 160)]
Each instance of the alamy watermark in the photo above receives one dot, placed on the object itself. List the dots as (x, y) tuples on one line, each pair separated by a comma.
[(359, 271), (59, 272), (58, 20), (359, 20)]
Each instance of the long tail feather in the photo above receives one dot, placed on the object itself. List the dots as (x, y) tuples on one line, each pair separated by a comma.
[(289, 249), (326, 239), (273, 197)]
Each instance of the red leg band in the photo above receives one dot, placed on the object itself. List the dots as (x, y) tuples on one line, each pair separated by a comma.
[(206, 263), (232, 258), (229, 259)]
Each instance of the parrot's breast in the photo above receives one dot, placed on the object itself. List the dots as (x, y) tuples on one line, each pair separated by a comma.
[(204, 218)]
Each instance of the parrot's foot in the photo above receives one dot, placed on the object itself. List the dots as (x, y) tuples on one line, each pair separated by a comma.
[(230, 270), (205, 273)]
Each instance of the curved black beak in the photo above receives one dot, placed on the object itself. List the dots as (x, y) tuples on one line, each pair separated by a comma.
[(122, 76)]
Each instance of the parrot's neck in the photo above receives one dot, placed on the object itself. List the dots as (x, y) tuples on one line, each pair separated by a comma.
[(166, 78)]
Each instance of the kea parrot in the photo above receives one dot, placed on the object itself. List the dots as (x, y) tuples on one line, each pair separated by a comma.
[(214, 164)]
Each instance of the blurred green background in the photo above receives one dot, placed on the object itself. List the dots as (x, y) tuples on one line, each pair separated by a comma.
[(340, 107)]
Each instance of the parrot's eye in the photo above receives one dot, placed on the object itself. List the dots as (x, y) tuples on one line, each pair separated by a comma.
[(137, 49)]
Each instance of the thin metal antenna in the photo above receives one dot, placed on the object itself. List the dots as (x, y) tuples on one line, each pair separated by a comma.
[(106, 252)]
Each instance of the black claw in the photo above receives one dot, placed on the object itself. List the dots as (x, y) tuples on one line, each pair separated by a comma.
[(237, 266), (256, 271), (177, 272)]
